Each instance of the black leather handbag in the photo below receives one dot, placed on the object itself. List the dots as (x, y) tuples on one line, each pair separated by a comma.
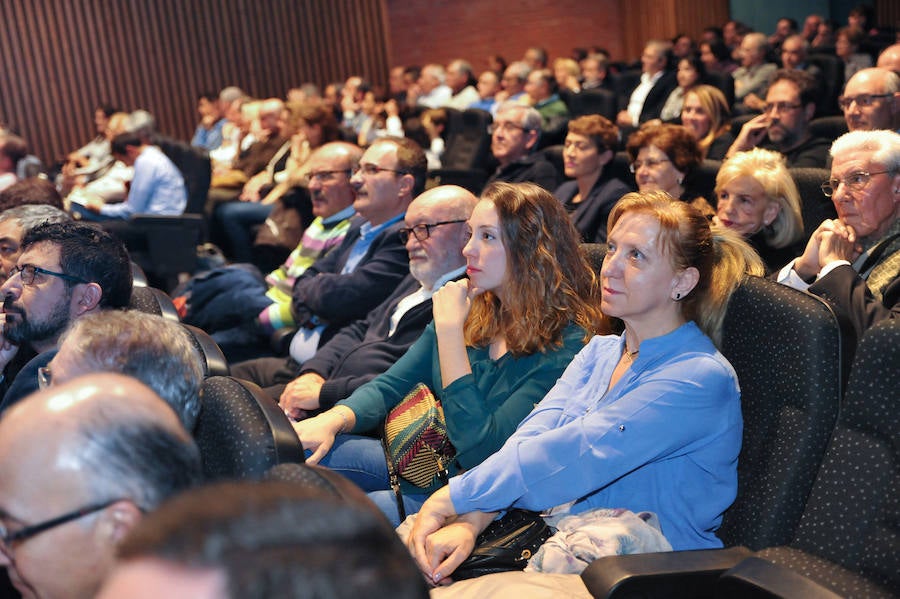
[(506, 544)]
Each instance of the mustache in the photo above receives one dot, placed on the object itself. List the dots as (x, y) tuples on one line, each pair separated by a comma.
[(9, 305)]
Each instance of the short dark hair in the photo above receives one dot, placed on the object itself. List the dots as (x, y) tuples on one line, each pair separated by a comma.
[(33, 190), (13, 147), (279, 539), (90, 254), (121, 141), (208, 95), (411, 159), (107, 108), (805, 83)]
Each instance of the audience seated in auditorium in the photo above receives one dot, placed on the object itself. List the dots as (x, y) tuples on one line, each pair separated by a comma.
[(90, 158), (825, 37), (784, 28), (65, 270), (890, 59), (348, 282), (381, 118), (536, 58), (567, 74), (794, 52), (434, 122), (603, 435), (512, 83), (34, 190), (541, 89), (260, 540), (854, 260), (498, 343), (689, 74), (154, 350), (234, 132), (594, 72), (784, 124), (683, 46), (12, 149), (109, 184), (846, 47), (435, 234), (716, 57), (811, 27), (706, 116), (15, 222), (430, 90), (82, 463), (514, 137), (208, 134), (592, 193), (871, 100), (460, 79), (751, 79), (157, 186), (757, 198), (645, 101), (236, 304), (663, 158), (488, 86)]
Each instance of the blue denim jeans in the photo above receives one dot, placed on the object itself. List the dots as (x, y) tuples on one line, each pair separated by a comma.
[(361, 459)]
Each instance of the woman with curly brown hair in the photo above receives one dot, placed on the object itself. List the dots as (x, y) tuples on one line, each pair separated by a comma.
[(497, 344)]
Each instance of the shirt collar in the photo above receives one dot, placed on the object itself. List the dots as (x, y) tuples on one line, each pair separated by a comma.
[(344, 214)]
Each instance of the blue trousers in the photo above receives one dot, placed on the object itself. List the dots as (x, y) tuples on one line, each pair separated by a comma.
[(361, 459), (237, 220)]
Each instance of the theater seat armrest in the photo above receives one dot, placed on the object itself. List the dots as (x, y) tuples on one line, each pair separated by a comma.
[(670, 574), (280, 340), (756, 577)]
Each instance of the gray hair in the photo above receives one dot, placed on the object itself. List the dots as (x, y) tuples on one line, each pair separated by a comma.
[(437, 71), (883, 145), (155, 351), (231, 93), (141, 123), (29, 216), (520, 69), (530, 118)]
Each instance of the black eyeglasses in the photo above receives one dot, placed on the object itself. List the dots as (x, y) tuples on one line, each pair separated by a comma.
[(370, 170), (862, 100), (423, 231), (8, 538), (29, 271), (780, 107), (325, 176), (507, 127), (853, 181)]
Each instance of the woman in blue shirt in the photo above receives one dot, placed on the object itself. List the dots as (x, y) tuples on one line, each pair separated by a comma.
[(498, 343), (647, 420)]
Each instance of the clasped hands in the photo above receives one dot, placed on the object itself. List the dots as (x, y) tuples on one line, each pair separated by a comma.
[(832, 240)]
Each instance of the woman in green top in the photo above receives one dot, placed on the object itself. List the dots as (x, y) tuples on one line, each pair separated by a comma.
[(498, 343)]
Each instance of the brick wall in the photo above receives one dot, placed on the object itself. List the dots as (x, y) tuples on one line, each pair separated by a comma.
[(423, 31)]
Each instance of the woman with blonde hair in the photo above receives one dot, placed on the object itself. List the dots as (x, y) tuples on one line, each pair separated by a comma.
[(649, 420), (757, 197), (705, 114), (499, 341)]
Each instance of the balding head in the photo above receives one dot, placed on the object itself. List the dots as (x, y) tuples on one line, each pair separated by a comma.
[(435, 250), (890, 59), (103, 448), (871, 100)]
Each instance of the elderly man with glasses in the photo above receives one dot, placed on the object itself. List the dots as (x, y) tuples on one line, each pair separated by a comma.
[(784, 124), (871, 100), (434, 233), (853, 261), (80, 464), (514, 136), (65, 271)]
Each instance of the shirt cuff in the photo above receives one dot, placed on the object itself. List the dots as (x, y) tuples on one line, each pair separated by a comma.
[(788, 276), (831, 266)]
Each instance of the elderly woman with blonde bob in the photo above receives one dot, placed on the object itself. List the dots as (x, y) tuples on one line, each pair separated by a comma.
[(646, 420), (498, 343), (757, 197)]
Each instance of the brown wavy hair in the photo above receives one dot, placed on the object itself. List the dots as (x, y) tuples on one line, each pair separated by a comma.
[(548, 281)]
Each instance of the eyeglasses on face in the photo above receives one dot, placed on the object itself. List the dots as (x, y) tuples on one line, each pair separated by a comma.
[(28, 272), (423, 231), (854, 181), (780, 107), (862, 100), (650, 163), (507, 127), (326, 176), (370, 170), (7, 538)]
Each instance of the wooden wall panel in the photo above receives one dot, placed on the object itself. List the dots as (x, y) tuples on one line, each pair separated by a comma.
[(663, 19), (59, 58)]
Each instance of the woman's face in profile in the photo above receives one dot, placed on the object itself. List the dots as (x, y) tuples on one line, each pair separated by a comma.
[(485, 253), (744, 207)]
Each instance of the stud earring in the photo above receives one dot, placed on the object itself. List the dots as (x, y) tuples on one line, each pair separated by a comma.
[(677, 296)]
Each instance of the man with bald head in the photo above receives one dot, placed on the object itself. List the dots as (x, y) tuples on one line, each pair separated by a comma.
[(434, 233), (871, 100), (79, 465), (890, 58)]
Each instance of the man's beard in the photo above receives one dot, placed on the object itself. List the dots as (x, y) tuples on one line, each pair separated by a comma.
[(21, 330)]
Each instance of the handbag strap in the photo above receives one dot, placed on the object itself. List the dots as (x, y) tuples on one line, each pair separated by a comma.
[(393, 478)]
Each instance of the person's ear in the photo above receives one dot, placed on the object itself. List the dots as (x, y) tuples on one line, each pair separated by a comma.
[(86, 297), (685, 281), (810, 110), (407, 184), (771, 213), (118, 520), (531, 139), (605, 157)]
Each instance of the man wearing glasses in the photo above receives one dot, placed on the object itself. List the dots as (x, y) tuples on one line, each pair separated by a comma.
[(514, 135), (65, 270), (871, 100), (435, 233), (80, 464), (784, 124), (853, 261)]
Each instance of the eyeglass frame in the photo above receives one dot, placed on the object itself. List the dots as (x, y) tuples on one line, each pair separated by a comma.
[(650, 163), (830, 186), (8, 538), (370, 170), (869, 100), (318, 175), (405, 232), (780, 107), (507, 125), (44, 377), (38, 270)]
